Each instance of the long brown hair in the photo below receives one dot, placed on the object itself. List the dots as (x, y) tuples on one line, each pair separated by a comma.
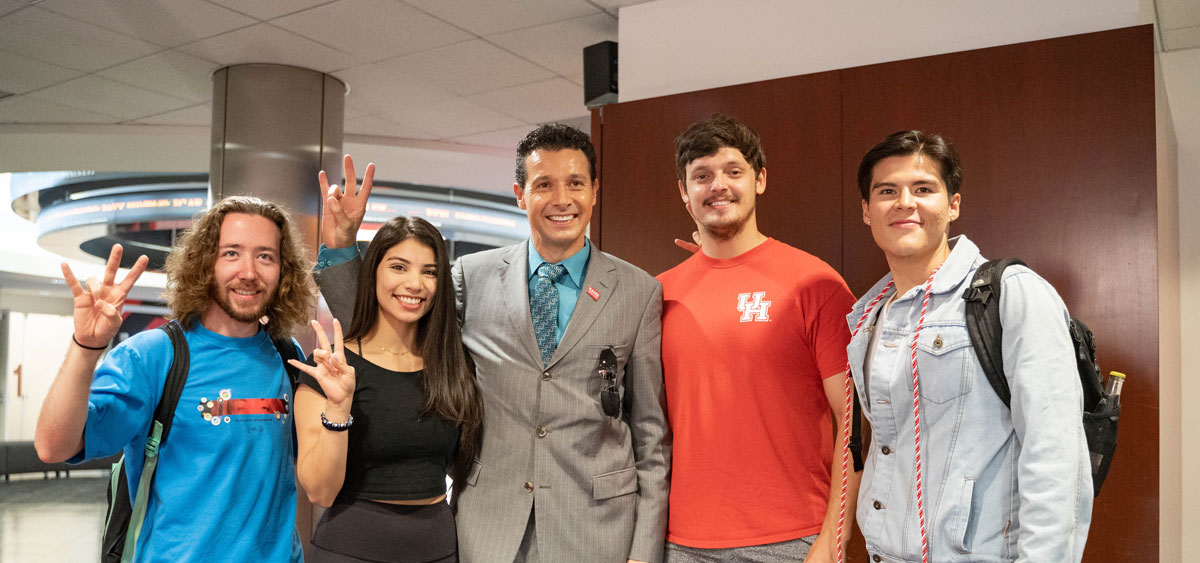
[(450, 388), (190, 267)]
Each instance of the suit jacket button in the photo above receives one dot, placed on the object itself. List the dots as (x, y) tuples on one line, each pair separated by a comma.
[(545, 376), (541, 433), (528, 487)]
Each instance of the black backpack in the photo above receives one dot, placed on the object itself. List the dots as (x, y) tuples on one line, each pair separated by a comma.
[(120, 540), (1101, 411)]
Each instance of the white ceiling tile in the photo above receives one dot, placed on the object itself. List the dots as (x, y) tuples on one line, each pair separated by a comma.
[(380, 127), (21, 74), (106, 96), (539, 102), (169, 72), (165, 22), (374, 89), (268, 9), (484, 17), (504, 138), (1176, 14), (582, 123), (559, 46), (200, 114), (450, 118), (24, 109), (265, 43), (54, 38), (1177, 39), (373, 29), (469, 67), (7, 6)]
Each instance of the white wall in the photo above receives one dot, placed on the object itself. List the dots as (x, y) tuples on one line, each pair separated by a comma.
[(673, 46), (1181, 71), (36, 343)]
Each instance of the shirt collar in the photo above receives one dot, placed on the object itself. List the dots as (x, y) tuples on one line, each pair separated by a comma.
[(963, 256), (575, 264)]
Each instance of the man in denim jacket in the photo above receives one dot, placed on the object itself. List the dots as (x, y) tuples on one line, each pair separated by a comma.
[(996, 484)]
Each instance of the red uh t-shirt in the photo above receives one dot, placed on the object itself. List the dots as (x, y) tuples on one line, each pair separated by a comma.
[(747, 343)]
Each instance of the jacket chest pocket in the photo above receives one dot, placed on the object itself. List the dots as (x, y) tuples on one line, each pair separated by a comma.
[(945, 360), (605, 368)]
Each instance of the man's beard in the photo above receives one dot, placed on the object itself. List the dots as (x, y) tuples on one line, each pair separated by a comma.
[(243, 316), (727, 230)]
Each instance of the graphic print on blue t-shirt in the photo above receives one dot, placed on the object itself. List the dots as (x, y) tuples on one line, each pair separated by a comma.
[(226, 409)]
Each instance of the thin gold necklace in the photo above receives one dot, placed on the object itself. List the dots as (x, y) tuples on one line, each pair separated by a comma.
[(385, 350)]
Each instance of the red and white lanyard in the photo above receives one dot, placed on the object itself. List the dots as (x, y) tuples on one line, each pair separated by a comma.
[(916, 418)]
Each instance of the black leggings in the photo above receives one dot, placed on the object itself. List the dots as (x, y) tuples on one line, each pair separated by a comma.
[(361, 530)]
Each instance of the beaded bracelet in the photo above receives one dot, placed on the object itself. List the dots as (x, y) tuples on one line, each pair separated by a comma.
[(336, 426)]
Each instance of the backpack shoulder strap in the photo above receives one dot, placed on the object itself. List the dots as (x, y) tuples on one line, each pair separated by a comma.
[(176, 378), (983, 322), (287, 351), (164, 413), (856, 434)]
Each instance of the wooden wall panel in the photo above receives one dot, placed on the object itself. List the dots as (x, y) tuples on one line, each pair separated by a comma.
[(1057, 140), (1057, 144), (642, 210)]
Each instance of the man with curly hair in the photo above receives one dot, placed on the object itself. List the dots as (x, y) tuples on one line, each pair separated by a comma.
[(226, 477)]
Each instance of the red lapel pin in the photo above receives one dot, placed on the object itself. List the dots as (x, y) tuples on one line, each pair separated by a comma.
[(595, 295)]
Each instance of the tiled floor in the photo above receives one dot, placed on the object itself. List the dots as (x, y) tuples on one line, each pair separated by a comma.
[(52, 520)]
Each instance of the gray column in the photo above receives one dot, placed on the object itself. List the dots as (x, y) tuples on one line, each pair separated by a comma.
[(274, 127)]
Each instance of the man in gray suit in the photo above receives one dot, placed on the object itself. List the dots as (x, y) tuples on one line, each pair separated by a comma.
[(566, 341)]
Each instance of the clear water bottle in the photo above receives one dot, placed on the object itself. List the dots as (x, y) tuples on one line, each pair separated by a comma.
[(1112, 388)]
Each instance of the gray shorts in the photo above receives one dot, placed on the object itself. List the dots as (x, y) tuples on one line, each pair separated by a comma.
[(790, 550)]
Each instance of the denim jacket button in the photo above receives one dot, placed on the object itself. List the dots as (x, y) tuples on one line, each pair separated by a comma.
[(878, 505), (876, 558), (886, 450)]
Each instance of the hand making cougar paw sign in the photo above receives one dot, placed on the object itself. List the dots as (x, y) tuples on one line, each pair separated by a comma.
[(343, 211), (335, 376), (98, 308)]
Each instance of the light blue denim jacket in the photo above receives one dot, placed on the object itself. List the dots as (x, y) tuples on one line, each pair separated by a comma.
[(999, 484)]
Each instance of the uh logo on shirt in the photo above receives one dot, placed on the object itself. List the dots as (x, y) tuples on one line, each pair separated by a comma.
[(753, 307)]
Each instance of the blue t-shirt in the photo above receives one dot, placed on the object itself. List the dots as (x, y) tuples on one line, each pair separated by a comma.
[(225, 487)]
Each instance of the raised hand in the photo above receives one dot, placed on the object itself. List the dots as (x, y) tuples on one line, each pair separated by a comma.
[(342, 213), (98, 308), (335, 376)]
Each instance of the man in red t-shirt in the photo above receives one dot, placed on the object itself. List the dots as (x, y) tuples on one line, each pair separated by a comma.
[(754, 359)]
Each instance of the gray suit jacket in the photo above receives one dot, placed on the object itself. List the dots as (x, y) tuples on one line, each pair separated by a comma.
[(598, 485)]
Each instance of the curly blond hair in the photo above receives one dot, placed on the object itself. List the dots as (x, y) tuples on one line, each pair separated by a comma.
[(190, 267)]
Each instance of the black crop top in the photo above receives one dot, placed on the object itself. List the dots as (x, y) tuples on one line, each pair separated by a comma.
[(394, 451)]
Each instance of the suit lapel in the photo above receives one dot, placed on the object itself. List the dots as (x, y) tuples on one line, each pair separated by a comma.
[(514, 279), (602, 276)]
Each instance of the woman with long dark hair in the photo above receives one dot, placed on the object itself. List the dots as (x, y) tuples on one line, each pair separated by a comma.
[(383, 415)]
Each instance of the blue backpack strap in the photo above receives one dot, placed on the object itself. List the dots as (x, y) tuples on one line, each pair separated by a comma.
[(983, 322)]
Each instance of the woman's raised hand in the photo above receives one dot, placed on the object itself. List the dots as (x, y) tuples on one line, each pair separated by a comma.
[(331, 371)]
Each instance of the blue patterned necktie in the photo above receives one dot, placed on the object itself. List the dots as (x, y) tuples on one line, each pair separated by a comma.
[(544, 307)]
